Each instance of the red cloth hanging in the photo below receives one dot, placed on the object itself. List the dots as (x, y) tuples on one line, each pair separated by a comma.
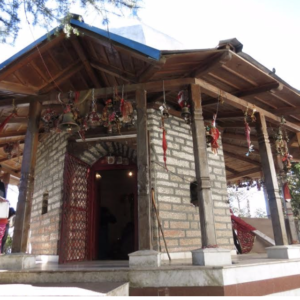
[(286, 193), (14, 113), (164, 142)]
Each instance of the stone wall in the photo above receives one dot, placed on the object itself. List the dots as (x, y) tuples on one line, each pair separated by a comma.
[(45, 228), (180, 218)]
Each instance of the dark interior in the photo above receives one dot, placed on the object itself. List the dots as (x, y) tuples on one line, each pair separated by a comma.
[(116, 218)]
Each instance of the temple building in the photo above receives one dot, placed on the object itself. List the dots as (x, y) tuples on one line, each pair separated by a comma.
[(123, 150)]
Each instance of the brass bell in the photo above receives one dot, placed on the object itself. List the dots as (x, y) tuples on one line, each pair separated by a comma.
[(68, 124), (186, 114)]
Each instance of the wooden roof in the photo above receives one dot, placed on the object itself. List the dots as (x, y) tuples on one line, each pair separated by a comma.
[(98, 59)]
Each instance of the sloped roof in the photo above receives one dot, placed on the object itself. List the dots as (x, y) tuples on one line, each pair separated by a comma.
[(99, 59), (149, 36)]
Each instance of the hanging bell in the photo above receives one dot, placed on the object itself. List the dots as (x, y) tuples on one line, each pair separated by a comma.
[(68, 124), (186, 114)]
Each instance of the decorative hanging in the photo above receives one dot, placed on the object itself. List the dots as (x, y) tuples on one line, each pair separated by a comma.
[(50, 120), (116, 113), (185, 108), (212, 135), (11, 115), (286, 193), (12, 149), (93, 119), (284, 159), (248, 132), (164, 116)]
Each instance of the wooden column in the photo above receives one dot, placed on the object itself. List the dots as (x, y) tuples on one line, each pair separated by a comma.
[(23, 213), (144, 218), (208, 234), (271, 184)]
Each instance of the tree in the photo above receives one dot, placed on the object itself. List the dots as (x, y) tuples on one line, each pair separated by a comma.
[(46, 12), (294, 185)]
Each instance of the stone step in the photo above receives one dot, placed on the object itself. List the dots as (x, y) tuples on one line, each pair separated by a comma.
[(95, 289)]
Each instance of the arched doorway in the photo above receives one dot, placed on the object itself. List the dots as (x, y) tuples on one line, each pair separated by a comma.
[(99, 211), (114, 220)]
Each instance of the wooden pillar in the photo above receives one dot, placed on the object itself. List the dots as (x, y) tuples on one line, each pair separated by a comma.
[(271, 184), (23, 213), (208, 234), (144, 217), (5, 180)]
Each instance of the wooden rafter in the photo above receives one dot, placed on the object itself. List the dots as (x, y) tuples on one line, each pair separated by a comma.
[(62, 76), (231, 170), (212, 64), (242, 104), (10, 170), (149, 71), (285, 111), (241, 157), (17, 88), (244, 173), (126, 76), (239, 147), (85, 61), (19, 62), (237, 136), (259, 89)]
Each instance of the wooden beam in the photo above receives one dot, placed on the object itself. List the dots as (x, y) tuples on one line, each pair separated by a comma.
[(205, 201), (212, 64), (239, 147), (13, 134), (10, 170), (147, 73), (242, 158), (244, 173), (270, 180), (143, 176), (236, 124), (16, 120), (242, 104), (62, 76), (238, 137), (258, 89), (87, 65), (29, 56), (285, 111), (230, 115), (22, 223), (17, 88), (124, 75), (231, 170)]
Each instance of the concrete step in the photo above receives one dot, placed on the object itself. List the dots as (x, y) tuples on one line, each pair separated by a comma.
[(95, 289)]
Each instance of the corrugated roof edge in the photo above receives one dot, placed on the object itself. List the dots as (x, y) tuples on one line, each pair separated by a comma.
[(146, 50), (28, 48)]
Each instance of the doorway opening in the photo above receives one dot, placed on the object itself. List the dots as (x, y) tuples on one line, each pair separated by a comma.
[(115, 212)]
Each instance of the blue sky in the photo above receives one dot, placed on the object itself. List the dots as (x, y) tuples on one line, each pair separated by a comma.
[(268, 29)]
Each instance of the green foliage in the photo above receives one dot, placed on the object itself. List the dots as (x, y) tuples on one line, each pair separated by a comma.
[(294, 185), (8, 245), (44, 13)]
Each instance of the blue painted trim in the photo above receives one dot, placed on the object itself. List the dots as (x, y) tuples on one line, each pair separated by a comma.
[(28, 48), (151, 52)]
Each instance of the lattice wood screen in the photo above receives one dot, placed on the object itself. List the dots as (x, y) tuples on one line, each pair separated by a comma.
[(75, 215)]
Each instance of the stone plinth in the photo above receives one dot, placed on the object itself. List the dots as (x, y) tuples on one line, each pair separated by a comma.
[(18, 261), (284, 252), (144, 258), (211, 257)]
